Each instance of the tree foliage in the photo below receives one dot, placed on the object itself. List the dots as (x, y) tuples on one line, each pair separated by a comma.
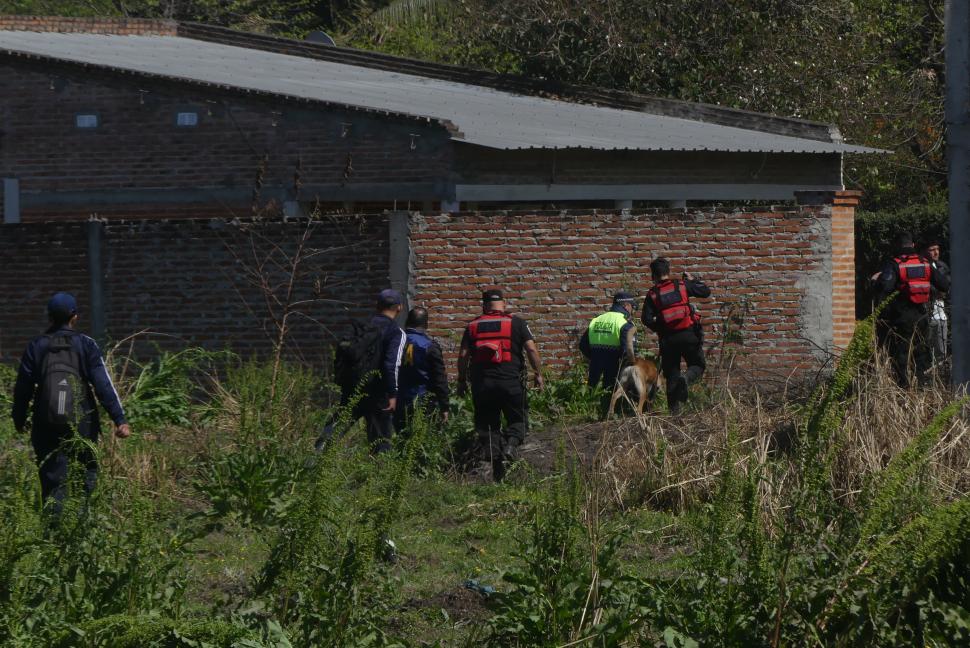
[(872, 67)]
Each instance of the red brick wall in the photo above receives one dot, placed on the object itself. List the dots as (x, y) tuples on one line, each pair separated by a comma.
[(560, 269), (185, 281), (843, 266), (138, 145), (125, 26)]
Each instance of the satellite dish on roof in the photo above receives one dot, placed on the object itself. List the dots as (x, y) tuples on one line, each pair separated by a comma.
[(319, 37)]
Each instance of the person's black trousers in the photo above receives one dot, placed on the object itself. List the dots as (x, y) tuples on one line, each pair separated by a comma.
[(494, 399), (404, 413), (603, 368), (908, 342), (379, 423), (56, 450), (687, 345)]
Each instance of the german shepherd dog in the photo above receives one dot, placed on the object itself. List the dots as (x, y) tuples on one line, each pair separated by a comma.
[(641, 377)]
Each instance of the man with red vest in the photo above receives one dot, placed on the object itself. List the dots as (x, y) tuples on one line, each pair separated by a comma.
[(912, 278), (492, 351), (667, 311)]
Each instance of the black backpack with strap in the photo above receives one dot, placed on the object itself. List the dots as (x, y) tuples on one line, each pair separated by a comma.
[(358, 356), (60, 396)]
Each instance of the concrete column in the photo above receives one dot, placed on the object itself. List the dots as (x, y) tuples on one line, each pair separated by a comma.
[(957, 105), (450, 206), (11, 200), (623, 204), (95, 232), (677, 204), (399, 255)]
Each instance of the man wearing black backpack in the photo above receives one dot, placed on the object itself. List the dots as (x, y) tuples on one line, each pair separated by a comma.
[(366, 368), (914, 278), (62, 372)]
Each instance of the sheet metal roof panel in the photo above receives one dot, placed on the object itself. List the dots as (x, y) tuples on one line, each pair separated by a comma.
[(483, 116)]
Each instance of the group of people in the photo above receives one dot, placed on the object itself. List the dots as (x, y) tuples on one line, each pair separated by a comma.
[(913, 326), (385, 373)]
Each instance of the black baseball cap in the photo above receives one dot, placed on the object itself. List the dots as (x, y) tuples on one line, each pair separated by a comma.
[(622, 296), (492, 294)]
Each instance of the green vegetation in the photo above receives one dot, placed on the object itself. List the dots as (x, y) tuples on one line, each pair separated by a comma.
[(218, 525)]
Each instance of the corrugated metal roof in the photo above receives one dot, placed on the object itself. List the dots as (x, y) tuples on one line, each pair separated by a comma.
[(482, 116)]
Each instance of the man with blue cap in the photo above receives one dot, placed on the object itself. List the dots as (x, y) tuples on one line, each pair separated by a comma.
[(609, 340), (61, 373), (366, 369)]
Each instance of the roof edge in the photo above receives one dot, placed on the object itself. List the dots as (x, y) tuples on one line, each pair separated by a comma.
[(709, 113), (28, 57)]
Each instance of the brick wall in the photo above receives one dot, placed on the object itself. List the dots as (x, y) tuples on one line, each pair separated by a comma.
[(36, 262), (770, 271), (843, 266), (123, 26), (186, 281), (560, 269), (237, 145)]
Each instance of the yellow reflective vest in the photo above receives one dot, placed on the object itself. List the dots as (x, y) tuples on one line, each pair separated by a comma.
[(604, 331)]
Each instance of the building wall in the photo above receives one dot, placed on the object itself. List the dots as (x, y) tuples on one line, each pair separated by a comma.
[(36, 262), (182, 283), (769, 272), (242, 151)]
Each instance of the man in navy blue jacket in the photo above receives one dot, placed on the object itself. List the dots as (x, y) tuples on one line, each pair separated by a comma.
[(50, 441), (379, 395), (424, 379)]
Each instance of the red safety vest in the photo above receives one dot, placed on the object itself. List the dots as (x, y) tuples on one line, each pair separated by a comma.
[(491, 338), (673, 307), (914, 278)]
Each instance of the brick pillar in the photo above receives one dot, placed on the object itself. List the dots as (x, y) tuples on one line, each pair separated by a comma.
[(843, 266)]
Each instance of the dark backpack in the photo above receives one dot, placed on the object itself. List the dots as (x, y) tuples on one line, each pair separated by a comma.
[(358, 355), (60, 393)]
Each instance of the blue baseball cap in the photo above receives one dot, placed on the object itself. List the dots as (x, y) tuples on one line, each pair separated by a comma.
[(62, 306), (389, 297), (622, 296)]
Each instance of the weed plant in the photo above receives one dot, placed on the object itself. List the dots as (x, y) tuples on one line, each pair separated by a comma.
[(258, 441), (816, 568), (572, 589)]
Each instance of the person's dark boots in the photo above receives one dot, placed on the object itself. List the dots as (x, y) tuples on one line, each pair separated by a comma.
[(511, 448), (693, 374), (677, 395)]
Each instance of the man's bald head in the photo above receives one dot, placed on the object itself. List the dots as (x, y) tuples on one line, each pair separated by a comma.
[(417, 318)]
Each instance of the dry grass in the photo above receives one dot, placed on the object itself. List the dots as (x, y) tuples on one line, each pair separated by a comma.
[(673, 462)]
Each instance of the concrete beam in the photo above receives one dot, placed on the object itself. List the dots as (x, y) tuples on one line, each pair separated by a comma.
[(399, 253), (364, 192), (680, 192), (11, 200)]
